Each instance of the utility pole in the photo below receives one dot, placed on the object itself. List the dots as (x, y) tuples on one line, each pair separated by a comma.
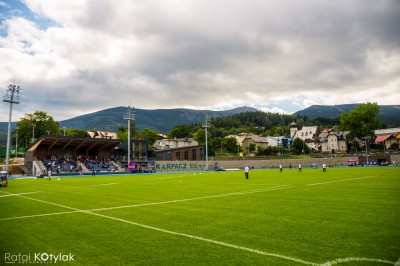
[(366, 148), (12, 96), (129, 115), (16, 143), (206, 126)]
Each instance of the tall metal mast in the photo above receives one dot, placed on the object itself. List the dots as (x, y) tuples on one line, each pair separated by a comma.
[(12, 96), (129, 115), (206, 126)]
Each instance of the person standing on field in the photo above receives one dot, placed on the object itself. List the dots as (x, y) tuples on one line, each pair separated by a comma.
[(246, 171), (300, 170), (49, 173), (280, 168)]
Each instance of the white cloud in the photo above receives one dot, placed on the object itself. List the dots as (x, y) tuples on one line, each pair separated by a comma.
[(280, 56)]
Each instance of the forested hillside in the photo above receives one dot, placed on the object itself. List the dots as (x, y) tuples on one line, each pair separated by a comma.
[(258, 122)]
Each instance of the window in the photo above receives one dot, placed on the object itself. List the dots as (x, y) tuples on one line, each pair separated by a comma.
[(186, 155), (194, 155), (178, 155)]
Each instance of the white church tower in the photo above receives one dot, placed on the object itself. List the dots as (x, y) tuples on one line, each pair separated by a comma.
[(293, 129)]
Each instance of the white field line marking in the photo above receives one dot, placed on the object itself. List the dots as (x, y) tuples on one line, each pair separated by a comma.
[(37, 215), (11, 194), (191, 199), (62, 186), (143, 204), (342, 180), (329, 263), (345, 260), (207, 240), (160, 178), (181, 234), (98, 185)]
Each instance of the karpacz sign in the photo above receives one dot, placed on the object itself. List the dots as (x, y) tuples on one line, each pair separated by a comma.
[(180, 166)]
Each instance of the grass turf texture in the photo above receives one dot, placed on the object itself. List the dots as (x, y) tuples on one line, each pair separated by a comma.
[(214, 218)]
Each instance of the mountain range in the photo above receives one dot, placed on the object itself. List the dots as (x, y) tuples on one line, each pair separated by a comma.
[(388, 114), (164, 120)]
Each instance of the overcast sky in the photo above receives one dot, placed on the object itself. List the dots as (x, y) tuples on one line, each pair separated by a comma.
[(73, 57)]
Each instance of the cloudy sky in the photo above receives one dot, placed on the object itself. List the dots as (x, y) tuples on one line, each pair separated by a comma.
[(73, 57)]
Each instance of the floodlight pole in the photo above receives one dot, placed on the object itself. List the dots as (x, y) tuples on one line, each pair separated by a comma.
[(366, 148), (129, 115), (16, 143), (12, 96), (205, 125)]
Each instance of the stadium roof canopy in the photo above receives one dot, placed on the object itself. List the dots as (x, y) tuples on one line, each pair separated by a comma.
[(77, 144)]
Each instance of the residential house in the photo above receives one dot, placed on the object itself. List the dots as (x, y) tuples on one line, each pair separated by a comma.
[(331, 141), (101, 135), (308, 134), (239, 137), (390, 137), (260, 142)]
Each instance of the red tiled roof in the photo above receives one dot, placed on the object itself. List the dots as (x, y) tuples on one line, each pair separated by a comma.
[(382, 138)]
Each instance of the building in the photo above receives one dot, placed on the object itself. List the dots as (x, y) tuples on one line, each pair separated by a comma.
[(101, 135), (280, 141), (188, 153), (390, 137), (308, 134), (69, 148), (333, 142), (165, 144), (260, 142), (239, 137), (184, 149), (139, 151)]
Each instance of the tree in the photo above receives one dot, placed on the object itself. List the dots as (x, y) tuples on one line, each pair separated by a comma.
[(230, 144), (72, 132), (148, 134), (298, 145), (216, 146), (183, 131), (360, 122), (252, 147), (122, 133), (33, 126)]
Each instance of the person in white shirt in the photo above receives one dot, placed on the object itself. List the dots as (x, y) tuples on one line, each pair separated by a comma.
[(246, 171)]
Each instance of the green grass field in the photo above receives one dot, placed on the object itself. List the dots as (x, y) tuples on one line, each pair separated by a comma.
[(348, 216)]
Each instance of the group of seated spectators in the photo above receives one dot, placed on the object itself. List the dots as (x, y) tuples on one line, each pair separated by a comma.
[(99, 165), (60, 165), (63, 165)]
